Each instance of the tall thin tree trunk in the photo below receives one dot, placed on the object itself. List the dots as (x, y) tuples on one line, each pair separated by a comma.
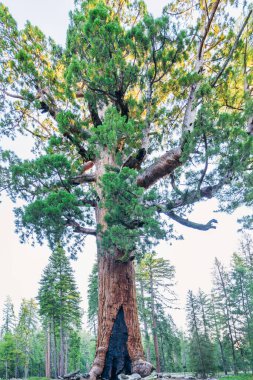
[(163, 362), (154, 324), (247, 316), (62, 353), (145, 323), (228, 318), (26, 371), (198, 339), (54, 350), (66, 355), (219, 340), (16, 368), (48, 353), (6, 369)]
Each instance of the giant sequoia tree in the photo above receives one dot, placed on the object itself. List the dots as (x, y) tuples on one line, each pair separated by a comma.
[(135, 121)]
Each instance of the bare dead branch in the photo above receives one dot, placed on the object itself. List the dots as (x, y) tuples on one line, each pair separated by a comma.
[(190, 224), (15, 96)]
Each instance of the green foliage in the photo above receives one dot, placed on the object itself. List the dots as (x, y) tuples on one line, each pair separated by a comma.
[(88, 348), (59, 302), (58, 297), (242, 376), (154, 279), (74, 352), (201, 347), (220, 330), (93, 299), (48, 216), (128, 214), (121, 85), (9, 319), (7, 354), (123, 78), (201, 355), (116, 128)]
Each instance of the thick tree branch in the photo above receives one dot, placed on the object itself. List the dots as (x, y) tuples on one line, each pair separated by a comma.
[(135, 160), (188, 223), (83, 178), (90, 202), (165, 165), (80, 229), (94, 115)]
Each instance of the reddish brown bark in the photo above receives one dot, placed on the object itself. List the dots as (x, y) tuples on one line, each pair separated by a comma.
[(162, 167), (116, 290)]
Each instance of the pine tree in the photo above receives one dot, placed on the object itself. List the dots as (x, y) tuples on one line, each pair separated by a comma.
[(223, 302), (201, 355), (217, 323), (7, 356), (156, 276), (134, 122), (241, 301), (9, 319), (8, 346), (37, 360), (59, 302), (26, 328)]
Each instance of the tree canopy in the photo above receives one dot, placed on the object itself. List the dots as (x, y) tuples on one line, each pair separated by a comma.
[(167, 98)]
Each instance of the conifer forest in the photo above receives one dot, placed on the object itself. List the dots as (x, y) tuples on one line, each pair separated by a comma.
[(128, 127)]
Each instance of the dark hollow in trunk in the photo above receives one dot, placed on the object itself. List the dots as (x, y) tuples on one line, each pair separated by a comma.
[(117, 358)]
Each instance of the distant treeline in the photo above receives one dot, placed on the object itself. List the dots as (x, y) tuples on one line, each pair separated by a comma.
[(220, 324)]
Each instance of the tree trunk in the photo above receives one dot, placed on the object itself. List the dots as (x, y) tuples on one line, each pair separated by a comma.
[(197, 336), (54, 350), (145, 323), (217, 330), (154, 324), (62, 353), (228, 317), (26, 370), (119, 346), (66, 355), (48, 354), (6, 369), (247, 316)]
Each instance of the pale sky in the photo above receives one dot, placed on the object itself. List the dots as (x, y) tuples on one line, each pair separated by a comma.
[(21, 265)]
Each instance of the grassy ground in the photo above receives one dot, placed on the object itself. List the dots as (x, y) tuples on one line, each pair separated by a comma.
[(238, 377)]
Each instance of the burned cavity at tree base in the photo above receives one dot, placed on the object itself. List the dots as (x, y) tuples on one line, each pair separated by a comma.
[(117, 357)]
